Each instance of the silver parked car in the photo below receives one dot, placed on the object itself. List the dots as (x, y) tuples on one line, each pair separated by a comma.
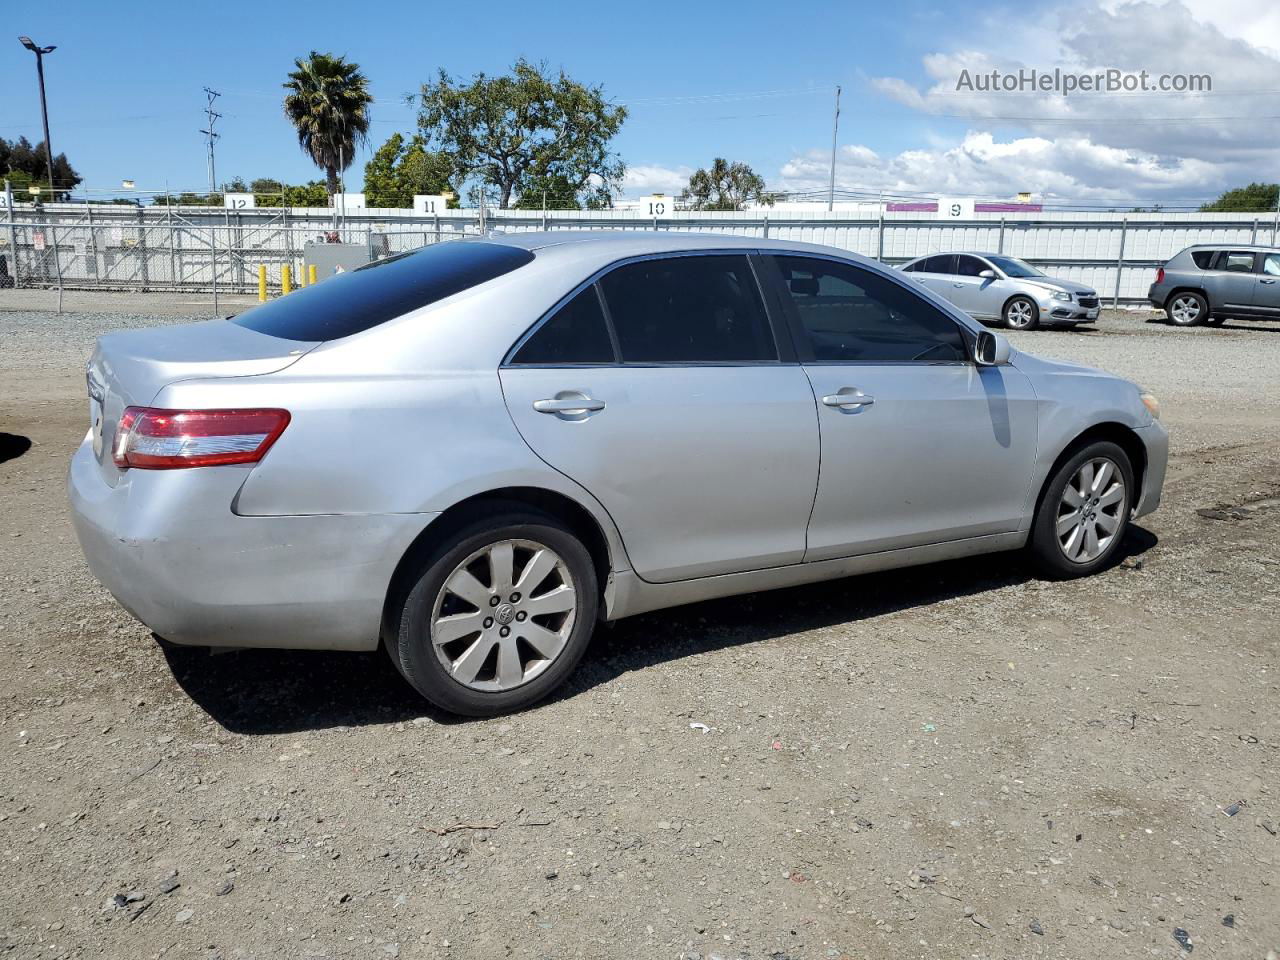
[(991, 286), (1217, 282), (474, 452)]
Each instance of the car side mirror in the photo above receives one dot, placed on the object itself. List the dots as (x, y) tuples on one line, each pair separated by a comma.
[(987, 274), (993, 350)]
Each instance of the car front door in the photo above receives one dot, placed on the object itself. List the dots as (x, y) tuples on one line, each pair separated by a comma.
[(660, 389), (919, 444), (1233, 282), (1266, 297)]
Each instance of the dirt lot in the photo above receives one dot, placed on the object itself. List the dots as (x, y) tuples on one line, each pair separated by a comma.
[(949, 761)]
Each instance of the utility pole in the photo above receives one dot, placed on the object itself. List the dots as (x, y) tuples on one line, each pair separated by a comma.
[(835, 130), (40, 51), (213, 116)]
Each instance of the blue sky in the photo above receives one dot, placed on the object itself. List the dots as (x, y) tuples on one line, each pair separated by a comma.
[(750, 81)]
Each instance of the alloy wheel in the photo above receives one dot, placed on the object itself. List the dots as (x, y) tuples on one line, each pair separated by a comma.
[(504, 615), (1090, 512), (1185, 310), (1020, 314)]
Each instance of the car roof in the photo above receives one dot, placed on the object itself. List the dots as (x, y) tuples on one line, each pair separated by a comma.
[(1228, 245), (962, 253), (624, 243)]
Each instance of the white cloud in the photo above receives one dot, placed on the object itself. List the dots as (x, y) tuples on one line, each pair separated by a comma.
[(646, 178), (1090, 146)]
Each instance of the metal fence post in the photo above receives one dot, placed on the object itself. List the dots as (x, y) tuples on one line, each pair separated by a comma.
[(213, 273), (1124, 227), (142, 247), (57, 260), (765, 233), (880, 232), (13, 234), (1000, 238), (1253, 236)]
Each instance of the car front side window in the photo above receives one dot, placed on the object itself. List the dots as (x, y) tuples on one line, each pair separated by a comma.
[(851, 315)]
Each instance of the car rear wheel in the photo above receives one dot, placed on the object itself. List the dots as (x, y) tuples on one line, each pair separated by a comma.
[(1084, 512), (1187, 309), (1021, 313), (499, 616)]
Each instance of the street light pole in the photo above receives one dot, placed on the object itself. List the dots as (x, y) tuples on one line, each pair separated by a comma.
[(44, 109)]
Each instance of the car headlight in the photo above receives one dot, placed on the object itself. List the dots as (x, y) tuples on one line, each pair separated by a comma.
[(1152, 404), (1061, 295)]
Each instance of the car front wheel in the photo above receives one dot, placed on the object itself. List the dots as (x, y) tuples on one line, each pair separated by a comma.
[(498, 616), (1084, 512), (1021, 313)]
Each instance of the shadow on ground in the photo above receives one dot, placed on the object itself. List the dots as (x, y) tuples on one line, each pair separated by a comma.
[(13, 446), (284, 691)]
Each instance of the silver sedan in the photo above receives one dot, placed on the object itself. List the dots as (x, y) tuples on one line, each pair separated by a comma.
[(473, 453), (991, 286)]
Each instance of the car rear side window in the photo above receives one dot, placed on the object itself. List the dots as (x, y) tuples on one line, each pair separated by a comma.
[(692, 309), (852, 315), (1236, 261), (383, 290), (1203, 258), (576, 333), (945, 264)]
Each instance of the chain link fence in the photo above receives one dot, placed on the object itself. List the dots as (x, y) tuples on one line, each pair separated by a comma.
[(180, 266), (205, 261)]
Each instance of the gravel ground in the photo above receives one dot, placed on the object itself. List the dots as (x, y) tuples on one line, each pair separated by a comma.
[(948, 761)]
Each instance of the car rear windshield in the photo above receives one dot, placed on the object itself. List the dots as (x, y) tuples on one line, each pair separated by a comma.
[(383, 290)]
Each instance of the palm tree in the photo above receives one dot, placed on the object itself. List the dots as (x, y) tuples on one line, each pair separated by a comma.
[(328, 102)]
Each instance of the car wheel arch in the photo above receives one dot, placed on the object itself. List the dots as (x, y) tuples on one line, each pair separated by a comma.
[(559, 506), (1122, 436)]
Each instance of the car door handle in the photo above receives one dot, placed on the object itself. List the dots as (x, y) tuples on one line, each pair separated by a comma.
[(1266, 281), (570, 404), (957, 284), (847, 400)]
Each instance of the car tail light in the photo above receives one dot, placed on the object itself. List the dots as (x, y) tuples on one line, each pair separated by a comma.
[(1160, 275), (156, 439)]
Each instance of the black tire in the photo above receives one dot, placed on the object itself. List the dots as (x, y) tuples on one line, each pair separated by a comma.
[(1047, 553), (411, 645), (1013, 306), (1186, 308)]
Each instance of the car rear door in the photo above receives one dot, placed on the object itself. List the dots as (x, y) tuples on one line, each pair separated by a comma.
[(1233, 283), (936, 273), (919, 444), (973, 294), (660, 388)]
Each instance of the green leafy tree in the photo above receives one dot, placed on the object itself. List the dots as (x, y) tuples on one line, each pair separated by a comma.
[(725, 186), (23, 165), (399, 169), (523, 129), (328, 104), (1255, 197), (555, 192)]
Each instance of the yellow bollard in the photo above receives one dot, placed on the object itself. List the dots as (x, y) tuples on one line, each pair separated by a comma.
[(262, 283), (311, 274), (302, 277), (286, 279)]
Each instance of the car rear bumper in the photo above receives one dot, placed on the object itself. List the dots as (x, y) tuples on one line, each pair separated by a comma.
[(1155, 440), (168, 546)]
